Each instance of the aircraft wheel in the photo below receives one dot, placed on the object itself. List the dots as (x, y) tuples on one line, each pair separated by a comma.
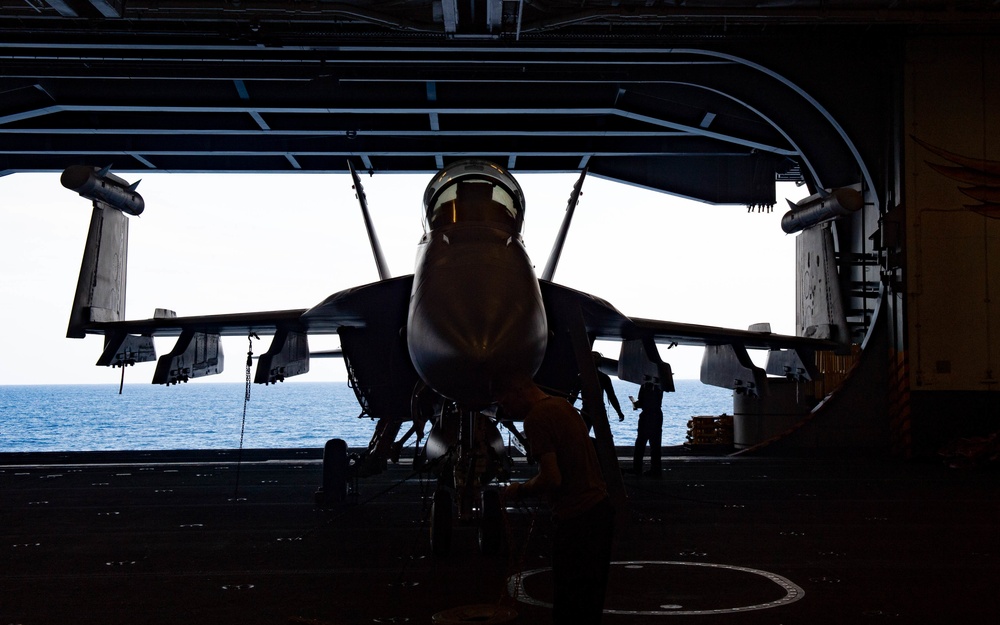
[(491, 524), (441, 519), (335, 474)]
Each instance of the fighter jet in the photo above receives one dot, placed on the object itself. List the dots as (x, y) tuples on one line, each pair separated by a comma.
[(431, 346)]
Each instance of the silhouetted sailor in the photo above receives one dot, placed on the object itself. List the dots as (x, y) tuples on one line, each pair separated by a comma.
[(608, 387), (650, 430), (570, 476)]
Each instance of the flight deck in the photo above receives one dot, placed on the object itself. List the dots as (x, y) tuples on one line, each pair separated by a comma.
[(221, 537)]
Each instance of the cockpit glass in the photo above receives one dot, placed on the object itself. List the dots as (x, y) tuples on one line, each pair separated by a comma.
[(474, 199)]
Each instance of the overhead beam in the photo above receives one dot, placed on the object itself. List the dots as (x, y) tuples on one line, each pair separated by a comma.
[(62, 8), (449, 15), (268, 143), (109, 8), (675, 129)]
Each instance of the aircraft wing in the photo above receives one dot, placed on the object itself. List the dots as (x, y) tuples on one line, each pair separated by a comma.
[(381, 303), (671, 332), (604, 322), (726, 348), (232, 324)]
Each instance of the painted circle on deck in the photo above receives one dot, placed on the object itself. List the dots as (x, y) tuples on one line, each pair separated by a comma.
[(701, 590)]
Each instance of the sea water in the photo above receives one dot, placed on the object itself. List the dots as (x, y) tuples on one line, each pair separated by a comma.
[(211, 416)]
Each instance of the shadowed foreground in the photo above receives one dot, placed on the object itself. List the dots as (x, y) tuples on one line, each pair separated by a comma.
[(165, 537)]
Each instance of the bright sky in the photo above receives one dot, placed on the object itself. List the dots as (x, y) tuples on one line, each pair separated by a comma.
[(212, 243)]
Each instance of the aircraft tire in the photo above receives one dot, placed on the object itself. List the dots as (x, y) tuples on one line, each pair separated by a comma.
[(335, 473), (441, 520), (491, 524)]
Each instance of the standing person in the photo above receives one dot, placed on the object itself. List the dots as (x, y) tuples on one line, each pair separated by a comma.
[(570, 476), (650, 428), (608, 387)]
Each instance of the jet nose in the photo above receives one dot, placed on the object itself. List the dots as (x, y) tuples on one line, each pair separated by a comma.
[(460, 358), (471, 323)]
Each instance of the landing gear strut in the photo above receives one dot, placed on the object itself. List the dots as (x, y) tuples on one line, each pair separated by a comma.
[(469, 454), (441, 520), (488, 515), (490, 524)]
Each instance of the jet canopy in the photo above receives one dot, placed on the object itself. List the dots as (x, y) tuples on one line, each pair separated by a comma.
[(474, 191)]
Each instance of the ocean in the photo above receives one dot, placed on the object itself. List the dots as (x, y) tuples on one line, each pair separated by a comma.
[(208, 416)]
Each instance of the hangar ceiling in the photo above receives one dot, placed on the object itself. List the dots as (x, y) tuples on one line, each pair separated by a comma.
[(708, 99)]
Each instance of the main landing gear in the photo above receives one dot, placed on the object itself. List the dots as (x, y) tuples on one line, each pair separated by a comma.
[(337, 485), (466, 452)]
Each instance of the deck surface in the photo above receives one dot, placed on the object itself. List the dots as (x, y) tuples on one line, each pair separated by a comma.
[(166, 537)]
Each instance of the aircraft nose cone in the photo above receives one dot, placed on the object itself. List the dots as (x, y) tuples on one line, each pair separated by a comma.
[(470, 323)]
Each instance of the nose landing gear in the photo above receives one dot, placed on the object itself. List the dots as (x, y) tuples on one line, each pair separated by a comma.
[(469, 454), (487, 513)]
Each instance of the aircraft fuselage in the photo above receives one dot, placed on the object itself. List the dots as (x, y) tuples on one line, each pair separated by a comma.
[(476, 313)]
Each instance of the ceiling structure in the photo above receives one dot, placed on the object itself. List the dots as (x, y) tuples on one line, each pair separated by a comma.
[(708, 99)]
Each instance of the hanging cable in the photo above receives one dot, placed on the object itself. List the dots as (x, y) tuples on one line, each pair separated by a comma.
[(246, 400)]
